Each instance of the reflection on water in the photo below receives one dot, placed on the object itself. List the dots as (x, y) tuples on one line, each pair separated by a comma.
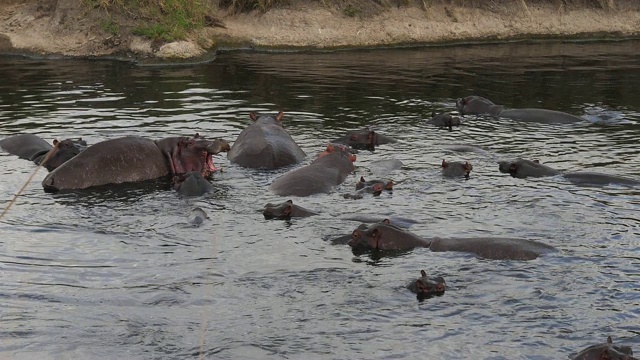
[(122, 273)]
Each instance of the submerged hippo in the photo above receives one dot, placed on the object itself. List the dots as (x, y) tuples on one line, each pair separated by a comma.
[(365, 139), (444, 120), (34, 148), (374, 187), (456, 169), (606, 351), (477, 105), (192, 184), (425, 287), (385, 236), (326, 172), (265, 144), (285, 211), (362, 184), (523, 168), (132, 158)]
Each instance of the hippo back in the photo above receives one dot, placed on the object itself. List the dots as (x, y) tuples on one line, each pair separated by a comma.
[(265, 144), (540, 116), (25, 146), (114, 161), (493, 248)]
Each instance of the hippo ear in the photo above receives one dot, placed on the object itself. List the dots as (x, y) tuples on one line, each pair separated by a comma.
[(386, 222), (467, 166), (371, 137), (536, 161), (389, 185), (330, 148), (376, 233), (362, 179), (279, 116), (289, 201), (196, 136), (287, 210), (609, 340), (444, 164), (423, 273), (253, 116), (55, 142)]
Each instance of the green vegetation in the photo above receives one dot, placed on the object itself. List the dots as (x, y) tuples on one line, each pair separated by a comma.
[(166, 20)]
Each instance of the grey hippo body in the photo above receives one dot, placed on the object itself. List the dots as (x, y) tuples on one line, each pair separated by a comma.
[(456, 169), (327, 171), (477, 105), (285, 211), (444, 120), (425, 287), (385, 236), (34, 148), (192, 184), (364, 139), (265, 144), (132, 159), (523, 168), (605, 351)]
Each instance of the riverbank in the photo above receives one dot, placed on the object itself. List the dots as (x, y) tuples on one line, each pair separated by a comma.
[(63, 27)]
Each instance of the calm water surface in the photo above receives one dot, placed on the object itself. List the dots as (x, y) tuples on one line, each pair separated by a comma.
[(121, 274)]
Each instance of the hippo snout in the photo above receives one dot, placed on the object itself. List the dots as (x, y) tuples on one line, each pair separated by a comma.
[(218, 146)]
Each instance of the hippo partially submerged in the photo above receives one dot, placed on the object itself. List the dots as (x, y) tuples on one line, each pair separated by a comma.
[(192, 184), (285, 211), (606, 351), (34, 148), (456, 169), (523, 168), (425, 287), (385, 236), (365, 139), (265, 144), (477, 105), (444, 120), (326, 172), (132, 159)]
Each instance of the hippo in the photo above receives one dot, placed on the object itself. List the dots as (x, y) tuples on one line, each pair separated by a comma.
[(285, 211), (197, 217), (456, 169), (34, 148), (375, 189), (425, 287), (606, 351), (191, 184), (444, 120), (477, 105), (386, 184), (523, 168), (132, 159), (386, 236), (326, 172), (365, 139), (265, 144)]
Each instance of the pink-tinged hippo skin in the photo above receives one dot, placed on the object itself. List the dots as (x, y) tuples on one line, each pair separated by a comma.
[(326, 172), (444, 120), (265, 144), (426, 287), (385, 236), (606, 351), (365, 139), (477, 105), (34, 148), (132, 159), (456, 169), (285, 211), (523, 168)]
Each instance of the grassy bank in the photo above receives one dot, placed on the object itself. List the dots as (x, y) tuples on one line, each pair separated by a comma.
[(170, 20)]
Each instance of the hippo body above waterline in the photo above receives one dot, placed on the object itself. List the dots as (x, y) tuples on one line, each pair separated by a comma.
[(606, 351), (523, 168), (265, 144), (34, 148), (365, 139), (426, 287), (326, 172), (456, 169), (477, 105), (385, 236), (192, 184), (132, 159), (444, 120), (285, 211)]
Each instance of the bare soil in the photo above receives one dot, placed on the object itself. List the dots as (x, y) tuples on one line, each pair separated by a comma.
[(65, 27)]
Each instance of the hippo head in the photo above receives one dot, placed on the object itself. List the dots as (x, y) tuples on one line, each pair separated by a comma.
[(425, 287), (606, 351), (366, 139), (456, 168), (385, 185), (61, 152), (278, 211), (196, 154), (475, 105), (358, 239), (338, 149), (267, 118)]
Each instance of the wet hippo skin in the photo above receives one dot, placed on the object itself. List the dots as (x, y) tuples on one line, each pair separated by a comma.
[(132, 159), (265, 144), (326, 172), (192, 184), (606, 351), (477, 105), (365, 139), (456, 169), (385, 236), (285, 211), (34, 148), (444, 120), (425, 287)]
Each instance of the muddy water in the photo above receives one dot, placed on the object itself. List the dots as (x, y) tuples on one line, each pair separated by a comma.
[(120, 272)]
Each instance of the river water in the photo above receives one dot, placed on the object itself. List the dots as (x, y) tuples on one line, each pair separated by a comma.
[(120, 273)]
